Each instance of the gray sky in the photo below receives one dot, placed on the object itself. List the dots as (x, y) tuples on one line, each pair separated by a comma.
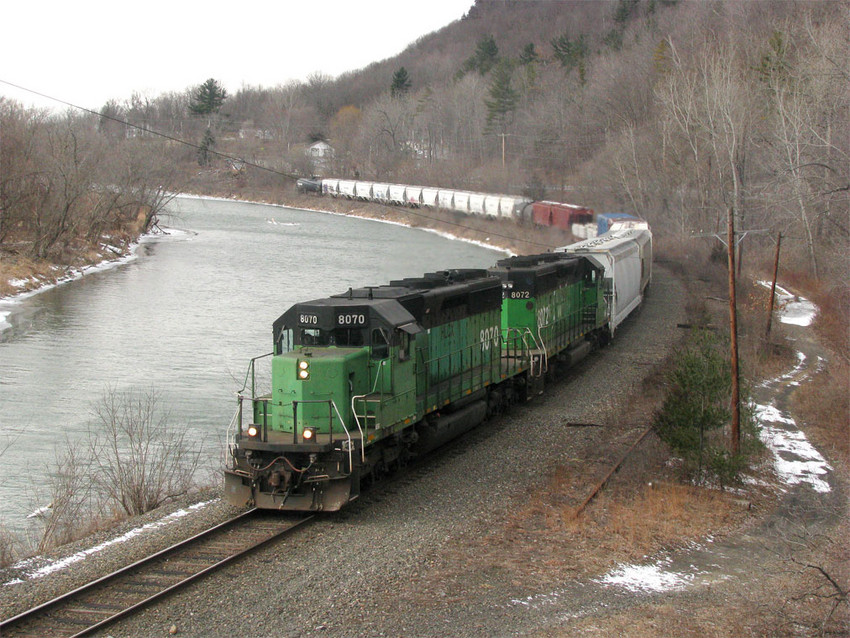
[(90, 51)]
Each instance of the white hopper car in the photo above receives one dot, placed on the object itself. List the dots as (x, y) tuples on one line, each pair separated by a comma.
[(465, 202), (625, 254)]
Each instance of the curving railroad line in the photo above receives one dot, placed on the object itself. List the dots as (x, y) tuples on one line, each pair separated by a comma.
[(130, 588)]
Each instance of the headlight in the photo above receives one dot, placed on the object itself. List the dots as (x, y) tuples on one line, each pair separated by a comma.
[(308, 434), (253, 430), (303, 370)]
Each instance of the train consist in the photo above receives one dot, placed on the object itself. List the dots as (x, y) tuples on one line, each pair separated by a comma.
[(543, 213), (365, 380)]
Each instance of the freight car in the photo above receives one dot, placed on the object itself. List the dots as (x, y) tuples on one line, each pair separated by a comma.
[(560, 215), (365, 380), (625, 256), (458, 201), (579, 220)]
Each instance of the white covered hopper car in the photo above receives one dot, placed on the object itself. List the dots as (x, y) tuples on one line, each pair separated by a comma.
[(625, 254)]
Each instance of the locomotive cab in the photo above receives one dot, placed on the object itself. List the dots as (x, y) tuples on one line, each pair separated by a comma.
[(339, 380)]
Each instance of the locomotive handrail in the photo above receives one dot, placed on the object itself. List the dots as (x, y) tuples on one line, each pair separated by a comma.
[(545, 367), (380, 401), (354, 411), (332, 404), (250, 372), (230, 435)]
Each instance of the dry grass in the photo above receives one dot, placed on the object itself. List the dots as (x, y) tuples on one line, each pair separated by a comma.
[(824, 407), (17, 267), (544, 542), (665, 512)]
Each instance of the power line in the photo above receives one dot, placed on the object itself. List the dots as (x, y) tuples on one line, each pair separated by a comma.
[(148, 131), (246, 162)]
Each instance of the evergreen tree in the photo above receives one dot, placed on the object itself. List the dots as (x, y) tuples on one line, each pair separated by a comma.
[(529, 60), (486, 56), (205, 149), (571, 54), (503, 98), (528, 55), (696, 409), (625, 9), (208, 98), (401, 83)]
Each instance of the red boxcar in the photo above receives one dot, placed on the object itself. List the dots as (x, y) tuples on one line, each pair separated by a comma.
[(560, 215)]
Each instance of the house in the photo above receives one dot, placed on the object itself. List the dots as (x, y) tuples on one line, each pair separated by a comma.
[(320, 150)]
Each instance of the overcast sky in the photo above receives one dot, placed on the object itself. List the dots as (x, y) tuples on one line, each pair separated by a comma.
[(89, 51)]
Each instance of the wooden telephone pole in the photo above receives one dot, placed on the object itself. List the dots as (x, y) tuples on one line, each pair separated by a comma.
[(733, 331), (773, 286)]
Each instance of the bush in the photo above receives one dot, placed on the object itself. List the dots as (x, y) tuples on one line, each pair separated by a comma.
[(139, 461), (696, 410)]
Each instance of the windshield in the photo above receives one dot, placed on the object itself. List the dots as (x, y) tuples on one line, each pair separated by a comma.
[(342, 337)]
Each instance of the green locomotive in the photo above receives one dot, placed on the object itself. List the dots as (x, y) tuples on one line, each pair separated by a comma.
[(365, 380)]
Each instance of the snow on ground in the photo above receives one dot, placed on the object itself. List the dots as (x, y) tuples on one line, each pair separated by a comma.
[(30, 567), (795, 459), (647, 579), (793, 309)]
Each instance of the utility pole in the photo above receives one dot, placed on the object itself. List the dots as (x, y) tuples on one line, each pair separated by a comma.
[(731, 244), (733, 331), (773, 285), (503, 149)]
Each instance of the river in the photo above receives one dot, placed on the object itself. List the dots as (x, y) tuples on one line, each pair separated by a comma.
[(183, 318)]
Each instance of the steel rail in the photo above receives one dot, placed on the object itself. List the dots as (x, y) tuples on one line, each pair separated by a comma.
[(46, 619)]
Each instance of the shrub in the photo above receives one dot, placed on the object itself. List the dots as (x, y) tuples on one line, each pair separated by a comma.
[(692, 418), (139, 460)]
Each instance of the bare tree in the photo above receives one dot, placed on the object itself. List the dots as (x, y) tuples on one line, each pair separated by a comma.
[(9, 541), (73, 505), (809, 167), (139, 460)]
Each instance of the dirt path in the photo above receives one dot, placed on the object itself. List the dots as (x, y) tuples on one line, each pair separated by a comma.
[(765, 577)]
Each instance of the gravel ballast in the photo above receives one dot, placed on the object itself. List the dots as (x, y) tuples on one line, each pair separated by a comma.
[(355, 573)]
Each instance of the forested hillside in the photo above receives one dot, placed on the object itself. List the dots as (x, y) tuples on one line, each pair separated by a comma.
[(671, 110)]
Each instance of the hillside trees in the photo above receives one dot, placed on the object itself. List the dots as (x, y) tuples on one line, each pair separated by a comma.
[(809, 166), (485, 57), (572, 54), (694, 111), (207, 100), (709, 108), (401, 83), (344, 128), (65, 183)]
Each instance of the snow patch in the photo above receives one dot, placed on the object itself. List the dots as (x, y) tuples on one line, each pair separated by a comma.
[(795, 459), (30, 570), (793, 309), (646, 579)]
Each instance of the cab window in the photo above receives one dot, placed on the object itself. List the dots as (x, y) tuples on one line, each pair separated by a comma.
[(285, 342), (380, 344), (404, 346)]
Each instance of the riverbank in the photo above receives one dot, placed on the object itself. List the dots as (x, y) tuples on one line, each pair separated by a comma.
[(21, 276)]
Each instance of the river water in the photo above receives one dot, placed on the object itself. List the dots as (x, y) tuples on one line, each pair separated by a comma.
[(183, 319)]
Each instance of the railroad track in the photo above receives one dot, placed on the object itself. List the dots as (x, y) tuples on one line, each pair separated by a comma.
[(127, 590)]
